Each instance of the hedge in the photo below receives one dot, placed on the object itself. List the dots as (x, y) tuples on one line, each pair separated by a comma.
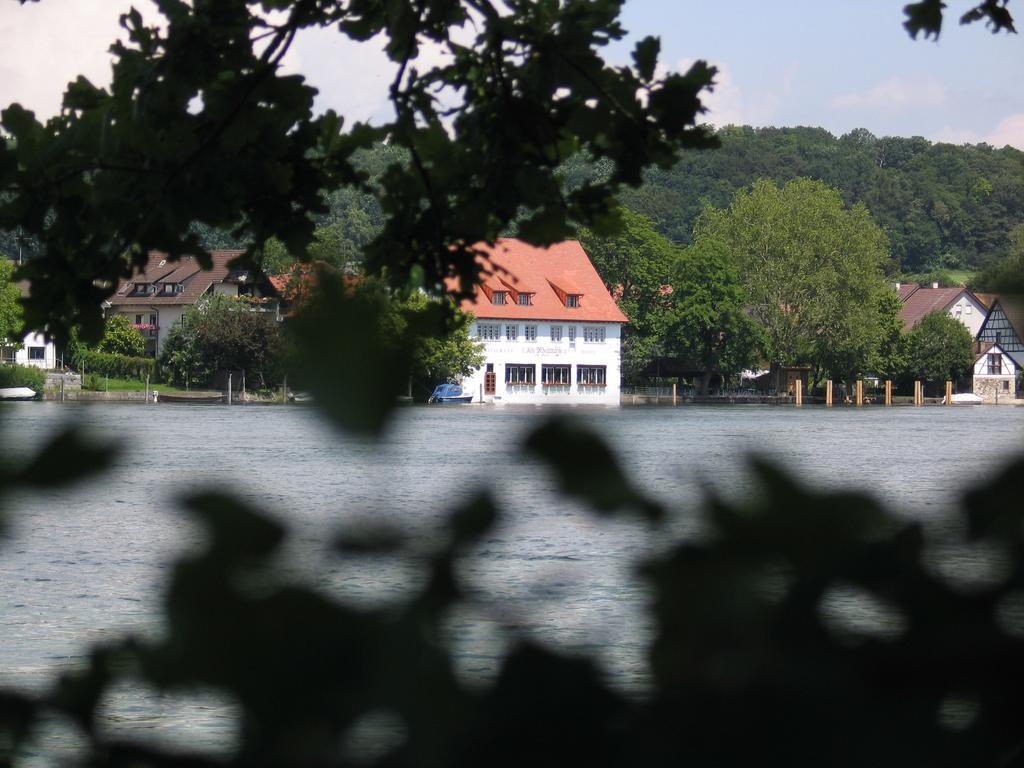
[(22, 376), (114, 366)]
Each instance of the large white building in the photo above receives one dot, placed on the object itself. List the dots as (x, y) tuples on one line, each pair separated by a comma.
[(550, 329)]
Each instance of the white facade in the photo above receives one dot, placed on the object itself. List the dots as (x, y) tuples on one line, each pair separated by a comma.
[(35, 352), (995, 376), (544, 361), (969, 311), (154, 322)]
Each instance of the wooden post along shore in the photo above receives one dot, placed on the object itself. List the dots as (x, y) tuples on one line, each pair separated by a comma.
[(860, 392), (888, 392), (799, 392), (673, 393), (949, 393), (828, 392), (918, 393)]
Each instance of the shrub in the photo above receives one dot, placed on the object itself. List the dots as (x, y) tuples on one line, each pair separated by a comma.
[(114, 366), (121, 338), (22, 376)]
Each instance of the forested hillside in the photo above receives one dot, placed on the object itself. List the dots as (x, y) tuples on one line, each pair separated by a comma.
[(942, 206)]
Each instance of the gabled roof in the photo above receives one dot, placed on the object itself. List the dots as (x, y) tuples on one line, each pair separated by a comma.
[(924, 301), (186, 271), (1013, 309), (544, 273)]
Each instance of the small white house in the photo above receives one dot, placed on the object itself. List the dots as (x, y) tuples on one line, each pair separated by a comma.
[(35, 351), (551, 331), (995, 375)]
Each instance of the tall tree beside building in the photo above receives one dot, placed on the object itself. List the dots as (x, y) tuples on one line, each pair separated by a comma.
[(10, 309), (707, 323), (636, 265), (939, 349), (812, 271)]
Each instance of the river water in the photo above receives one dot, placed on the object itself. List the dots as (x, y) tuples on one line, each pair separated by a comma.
[(88, 564)]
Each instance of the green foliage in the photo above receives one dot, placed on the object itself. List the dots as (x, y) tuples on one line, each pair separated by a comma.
[(930, 199), (223, 333), (22, 376), (811, 271), (10, 309), (708, 324), (147, 165), (635, 265), (939, 349), (110, 364), (120, 338), (448, 356), (1008, 275)]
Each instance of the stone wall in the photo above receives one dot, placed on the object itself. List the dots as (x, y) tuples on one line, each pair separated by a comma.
[(993, 389)]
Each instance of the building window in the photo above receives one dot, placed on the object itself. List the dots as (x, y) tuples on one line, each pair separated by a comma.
[(572, 333), (555, 375), (179, 288), (593, 334), (957, 310), (967, 309), (521, 374), (591, 375), (10, 354), (556, 333), (488, 331), (572, 300), (530, 332), (995, 364), (498, 298), (37, 353), (152, 320), (1006, 386), (512, 332), (523, 299), (138, 319)]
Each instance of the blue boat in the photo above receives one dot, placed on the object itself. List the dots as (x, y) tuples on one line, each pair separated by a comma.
[(449, 393)]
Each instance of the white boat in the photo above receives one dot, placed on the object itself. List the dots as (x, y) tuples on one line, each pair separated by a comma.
[(965, 398), (17, 393)]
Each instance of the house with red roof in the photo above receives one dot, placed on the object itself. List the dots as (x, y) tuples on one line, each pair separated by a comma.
[(960, 303), (155, 298), (551, 331)]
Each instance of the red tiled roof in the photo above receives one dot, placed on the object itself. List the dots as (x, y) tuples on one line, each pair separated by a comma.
[(544, 272), (906, 290), (186, 271), (924, 301)]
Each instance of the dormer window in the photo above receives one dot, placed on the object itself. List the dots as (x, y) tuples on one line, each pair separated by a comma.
[(523, 299), (498, 297), (572, 300)]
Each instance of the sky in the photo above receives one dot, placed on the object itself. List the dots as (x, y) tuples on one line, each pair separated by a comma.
[(838, 64)]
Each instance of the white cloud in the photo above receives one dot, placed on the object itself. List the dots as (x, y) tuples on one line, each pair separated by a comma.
[(48, 44), (729, 104), (1009, 130), (895, 93)]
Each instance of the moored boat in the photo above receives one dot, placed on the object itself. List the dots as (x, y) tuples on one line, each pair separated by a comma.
[(201, 398), (449, 394), (17, 393)]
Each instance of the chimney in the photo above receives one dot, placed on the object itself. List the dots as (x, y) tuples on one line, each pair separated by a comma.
[(935, 285)]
